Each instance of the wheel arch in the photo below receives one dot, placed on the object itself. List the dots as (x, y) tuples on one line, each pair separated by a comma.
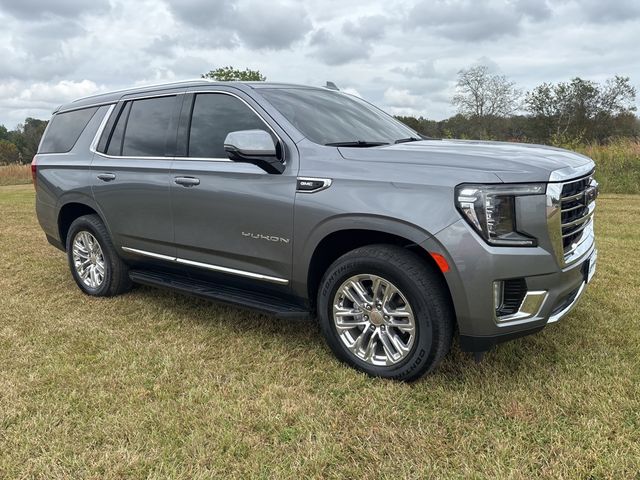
[(70, 211), (349, 233)]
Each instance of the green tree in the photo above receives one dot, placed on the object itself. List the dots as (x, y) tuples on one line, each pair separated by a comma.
[(582, 110), (26, 137), (8, 153), (227, 74), (4, 133)]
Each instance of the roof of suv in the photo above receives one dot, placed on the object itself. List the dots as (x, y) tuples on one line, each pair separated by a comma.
[(115, 96)]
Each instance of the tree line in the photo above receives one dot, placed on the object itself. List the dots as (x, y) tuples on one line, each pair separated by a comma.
[(489, 106), (21, 144)]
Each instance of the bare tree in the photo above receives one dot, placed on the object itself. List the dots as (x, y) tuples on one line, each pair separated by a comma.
[(482, 94)]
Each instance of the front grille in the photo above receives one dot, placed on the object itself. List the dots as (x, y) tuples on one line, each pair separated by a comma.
[(577, 207)]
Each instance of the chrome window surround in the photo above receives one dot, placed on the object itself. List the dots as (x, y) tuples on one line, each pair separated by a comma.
[(94, 143), (103, 123), (583, 244), (208, 266)]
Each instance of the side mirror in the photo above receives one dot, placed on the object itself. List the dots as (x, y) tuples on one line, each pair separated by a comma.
[(254, 146)]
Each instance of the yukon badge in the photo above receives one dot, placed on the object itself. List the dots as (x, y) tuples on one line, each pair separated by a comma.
[(269, 238)]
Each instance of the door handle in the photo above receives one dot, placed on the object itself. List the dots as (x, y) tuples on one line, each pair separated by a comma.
[(106, 177), (187, 181)]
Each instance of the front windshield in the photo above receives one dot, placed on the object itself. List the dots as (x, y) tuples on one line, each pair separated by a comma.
[(332, 118)]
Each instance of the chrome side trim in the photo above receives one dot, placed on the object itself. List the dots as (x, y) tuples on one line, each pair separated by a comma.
[(326, 183), (202, 159), (104, 155), (208, 266), (149, 254), (233, 271), (568, 308)]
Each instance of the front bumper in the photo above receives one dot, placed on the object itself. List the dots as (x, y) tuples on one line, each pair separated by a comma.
[(474, 266)]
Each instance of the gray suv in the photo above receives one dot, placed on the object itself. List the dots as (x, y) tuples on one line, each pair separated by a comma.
[(307, 202)]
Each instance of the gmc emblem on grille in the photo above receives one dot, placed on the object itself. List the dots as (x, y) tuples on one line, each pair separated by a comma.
[(590, 195)]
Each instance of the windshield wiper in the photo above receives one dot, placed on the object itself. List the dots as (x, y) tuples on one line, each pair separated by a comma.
[(357, 143), (408, 139)]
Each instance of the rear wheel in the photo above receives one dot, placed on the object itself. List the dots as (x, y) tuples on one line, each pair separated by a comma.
[(385, 312), (94, 263)]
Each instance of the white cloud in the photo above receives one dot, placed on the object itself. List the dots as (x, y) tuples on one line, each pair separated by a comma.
[(400, 54), (63, 91), (394, 97)]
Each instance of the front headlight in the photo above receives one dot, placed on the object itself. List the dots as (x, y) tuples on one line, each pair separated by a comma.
[(491, 211)]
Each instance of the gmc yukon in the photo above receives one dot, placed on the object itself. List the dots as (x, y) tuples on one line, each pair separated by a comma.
[(308, 202)]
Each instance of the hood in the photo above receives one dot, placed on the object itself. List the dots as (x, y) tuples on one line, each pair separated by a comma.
[(510, 162)]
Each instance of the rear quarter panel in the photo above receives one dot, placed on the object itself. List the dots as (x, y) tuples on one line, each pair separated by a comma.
[(66, 177)]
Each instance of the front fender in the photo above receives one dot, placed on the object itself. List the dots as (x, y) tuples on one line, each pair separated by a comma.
[(305, 249)]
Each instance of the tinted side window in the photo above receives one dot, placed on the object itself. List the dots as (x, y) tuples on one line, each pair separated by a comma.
[(147, 126), (65, 129), (214, 116), (115, 143)]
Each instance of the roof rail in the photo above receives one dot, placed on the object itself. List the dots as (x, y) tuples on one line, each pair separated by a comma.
[(141, 87)]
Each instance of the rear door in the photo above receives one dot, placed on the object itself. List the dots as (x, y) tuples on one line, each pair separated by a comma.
[(234, 218), (131, 173)]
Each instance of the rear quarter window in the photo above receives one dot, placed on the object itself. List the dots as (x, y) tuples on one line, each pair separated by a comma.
[(65, 129)]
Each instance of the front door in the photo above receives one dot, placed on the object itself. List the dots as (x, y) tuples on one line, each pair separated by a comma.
[(132, 175), (229, 217)]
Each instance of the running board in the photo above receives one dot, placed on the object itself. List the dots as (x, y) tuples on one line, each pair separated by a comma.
[(258, 302)]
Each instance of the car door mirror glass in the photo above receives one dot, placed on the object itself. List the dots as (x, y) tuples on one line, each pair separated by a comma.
[(254, 146)]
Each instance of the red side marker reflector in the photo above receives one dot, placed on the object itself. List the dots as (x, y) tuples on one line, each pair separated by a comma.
[(34, 171), (440, 261)]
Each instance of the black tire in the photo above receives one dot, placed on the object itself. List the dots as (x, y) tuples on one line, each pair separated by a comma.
[(425, 292), (116, 273)]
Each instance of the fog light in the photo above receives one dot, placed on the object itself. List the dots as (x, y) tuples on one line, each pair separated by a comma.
[(498, 294)]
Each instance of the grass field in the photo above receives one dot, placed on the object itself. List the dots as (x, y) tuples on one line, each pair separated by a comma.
[(157, 385), (15, 174), (617, 165)]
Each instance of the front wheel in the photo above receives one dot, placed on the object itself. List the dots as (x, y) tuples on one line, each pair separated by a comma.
[(385, 312)]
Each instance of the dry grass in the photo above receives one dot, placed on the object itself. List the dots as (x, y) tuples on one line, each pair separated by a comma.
[(15, 174), (156, 385), (617, 165)]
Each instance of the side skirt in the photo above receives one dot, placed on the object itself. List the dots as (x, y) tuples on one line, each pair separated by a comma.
[(226, 294)]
